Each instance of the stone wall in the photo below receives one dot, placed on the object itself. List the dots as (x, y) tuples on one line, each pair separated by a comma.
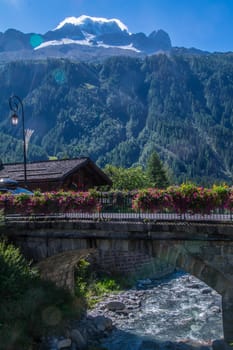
[(134, 263), (60, 268)]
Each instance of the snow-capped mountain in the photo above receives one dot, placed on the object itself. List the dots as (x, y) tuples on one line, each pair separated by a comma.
[(80, 37), (94, 25)]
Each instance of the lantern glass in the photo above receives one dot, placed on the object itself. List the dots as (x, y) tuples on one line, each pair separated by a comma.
[(14, 119)]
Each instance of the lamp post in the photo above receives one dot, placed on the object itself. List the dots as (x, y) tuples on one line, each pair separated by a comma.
[(15, 104)]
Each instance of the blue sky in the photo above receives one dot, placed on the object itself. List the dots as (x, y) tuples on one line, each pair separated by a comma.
[(204, 24)]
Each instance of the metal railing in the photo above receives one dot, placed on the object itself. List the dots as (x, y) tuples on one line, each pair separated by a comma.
[(118, 207)]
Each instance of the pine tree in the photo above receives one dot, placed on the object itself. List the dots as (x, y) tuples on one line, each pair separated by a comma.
[(155, 172)]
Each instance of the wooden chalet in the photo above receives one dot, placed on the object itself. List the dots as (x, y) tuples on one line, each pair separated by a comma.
[(77, 174)]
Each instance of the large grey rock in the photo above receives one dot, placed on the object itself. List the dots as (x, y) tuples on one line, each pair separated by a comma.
[(115, 305), (64, 343), (103, 323), (78, 339)]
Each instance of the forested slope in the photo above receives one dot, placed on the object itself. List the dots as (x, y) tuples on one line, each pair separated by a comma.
[(120, 110)]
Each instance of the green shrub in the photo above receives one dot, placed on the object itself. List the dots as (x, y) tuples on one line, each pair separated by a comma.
[(15, 272), (92, 284), (82, 278), (29, 307), (105, 285)]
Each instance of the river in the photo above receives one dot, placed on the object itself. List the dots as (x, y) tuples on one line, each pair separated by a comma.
[(177, 312)]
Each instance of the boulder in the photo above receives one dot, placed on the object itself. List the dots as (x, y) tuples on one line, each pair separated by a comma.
[(103, 323), (115, 305), (78, 339), (64, 343)]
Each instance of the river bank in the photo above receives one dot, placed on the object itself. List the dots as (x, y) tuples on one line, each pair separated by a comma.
[(174, 312), (178, 312)]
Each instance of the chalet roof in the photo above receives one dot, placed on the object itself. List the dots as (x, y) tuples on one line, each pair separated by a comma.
[(50, 170)]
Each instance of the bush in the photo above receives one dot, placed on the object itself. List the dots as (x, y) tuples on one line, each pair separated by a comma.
[(187, 198), (92, 284), (15, 272), (29, 307), (49, 202), (151, 200)]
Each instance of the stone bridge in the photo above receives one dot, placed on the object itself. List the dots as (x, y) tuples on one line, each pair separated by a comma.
[(204, 250)]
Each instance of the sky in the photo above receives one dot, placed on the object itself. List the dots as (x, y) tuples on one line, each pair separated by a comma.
[(203, 24)]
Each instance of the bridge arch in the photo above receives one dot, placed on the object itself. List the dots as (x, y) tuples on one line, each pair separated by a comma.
[(180, 255), (204, 250), (60, 268)]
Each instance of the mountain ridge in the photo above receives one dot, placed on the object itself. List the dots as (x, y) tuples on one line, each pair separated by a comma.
[(121, 109), (79, 33)]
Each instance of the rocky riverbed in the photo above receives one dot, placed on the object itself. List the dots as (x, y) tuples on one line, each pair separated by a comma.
[(177, 312)]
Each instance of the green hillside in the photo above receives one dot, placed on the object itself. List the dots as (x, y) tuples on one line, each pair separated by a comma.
[(120, 110)]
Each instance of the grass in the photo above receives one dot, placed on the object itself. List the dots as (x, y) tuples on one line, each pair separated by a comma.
[(92, 285)]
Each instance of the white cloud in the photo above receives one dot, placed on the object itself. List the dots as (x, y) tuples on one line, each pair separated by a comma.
[(99, 20)]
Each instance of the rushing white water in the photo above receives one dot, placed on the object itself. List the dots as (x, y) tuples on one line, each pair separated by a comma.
[(174, 312)]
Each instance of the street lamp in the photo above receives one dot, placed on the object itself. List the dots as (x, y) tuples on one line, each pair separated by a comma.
[(15, 103)]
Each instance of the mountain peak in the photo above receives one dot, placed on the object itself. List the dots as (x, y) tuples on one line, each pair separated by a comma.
[(94, 25), (84, 36)]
